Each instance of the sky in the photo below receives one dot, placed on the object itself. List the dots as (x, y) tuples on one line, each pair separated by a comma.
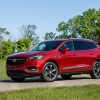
[(45, 14)]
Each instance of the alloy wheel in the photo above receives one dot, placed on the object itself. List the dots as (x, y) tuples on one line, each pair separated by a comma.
[(50, 71)]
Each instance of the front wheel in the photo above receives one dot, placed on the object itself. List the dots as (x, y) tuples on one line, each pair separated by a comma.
[(50, 72), (95, 73), (17, 79)]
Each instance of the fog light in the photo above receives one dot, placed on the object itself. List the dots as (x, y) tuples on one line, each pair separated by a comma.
[(32, 69)]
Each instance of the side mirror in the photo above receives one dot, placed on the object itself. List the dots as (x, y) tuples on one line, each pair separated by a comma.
[(64, 50)]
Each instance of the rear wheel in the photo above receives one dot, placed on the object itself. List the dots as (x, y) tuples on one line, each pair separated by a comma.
[(17, 79), (50, 72), (66, 76), (95, 73)]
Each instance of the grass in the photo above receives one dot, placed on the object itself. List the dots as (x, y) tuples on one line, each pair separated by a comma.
[(89, 92), (3, 75)]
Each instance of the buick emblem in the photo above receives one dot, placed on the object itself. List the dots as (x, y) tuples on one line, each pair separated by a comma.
[(14, 60)]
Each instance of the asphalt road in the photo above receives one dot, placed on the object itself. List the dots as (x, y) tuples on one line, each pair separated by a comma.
[(37, 83)]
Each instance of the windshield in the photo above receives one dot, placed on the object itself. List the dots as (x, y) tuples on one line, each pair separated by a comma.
[(46, 46)]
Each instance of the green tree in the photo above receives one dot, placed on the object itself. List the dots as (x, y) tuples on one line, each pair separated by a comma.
[(63, 36), (86, 25), (50, 35), (28, 31), (35, 40), (3, 32), (23, 44), (7, 48), (62, 27), (91, 26)]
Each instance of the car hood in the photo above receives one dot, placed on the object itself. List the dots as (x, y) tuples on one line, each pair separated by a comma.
[(26, 54)]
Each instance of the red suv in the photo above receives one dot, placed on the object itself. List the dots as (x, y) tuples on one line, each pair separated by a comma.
[(51, 58)]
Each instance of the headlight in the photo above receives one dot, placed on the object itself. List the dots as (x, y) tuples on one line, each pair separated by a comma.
[(36, 57)]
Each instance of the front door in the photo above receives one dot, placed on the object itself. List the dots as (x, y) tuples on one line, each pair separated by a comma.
[(67, 59)]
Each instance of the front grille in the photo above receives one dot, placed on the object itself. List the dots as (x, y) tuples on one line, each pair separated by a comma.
[(15, 61)]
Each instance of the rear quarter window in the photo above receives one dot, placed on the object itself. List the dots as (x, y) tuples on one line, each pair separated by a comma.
[(91, 45)]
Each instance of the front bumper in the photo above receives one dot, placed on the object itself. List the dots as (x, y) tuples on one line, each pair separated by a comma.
[(29, 68)]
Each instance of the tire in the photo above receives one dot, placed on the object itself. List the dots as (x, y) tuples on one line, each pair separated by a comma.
[(17, 79), (50, 72), (66, 76), (95, 73)]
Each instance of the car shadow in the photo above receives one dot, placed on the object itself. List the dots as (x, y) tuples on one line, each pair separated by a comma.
[(39, 80), (73, 78), (28, 80)]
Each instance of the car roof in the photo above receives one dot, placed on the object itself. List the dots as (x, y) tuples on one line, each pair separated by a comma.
[(83, 39), (73, 39)]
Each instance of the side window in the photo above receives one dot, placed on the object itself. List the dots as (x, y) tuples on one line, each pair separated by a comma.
[(67, 45), (91, 45), (80, 45)]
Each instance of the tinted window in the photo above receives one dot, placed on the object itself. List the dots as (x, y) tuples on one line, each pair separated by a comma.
[(84, 45), (67, 45), (46, 46), (91, 45), (80, 45)]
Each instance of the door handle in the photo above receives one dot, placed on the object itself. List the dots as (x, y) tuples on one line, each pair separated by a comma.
[(74, 54), (91, 54)]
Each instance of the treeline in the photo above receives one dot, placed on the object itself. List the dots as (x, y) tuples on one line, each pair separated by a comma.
[(29, 38), (86, 25)]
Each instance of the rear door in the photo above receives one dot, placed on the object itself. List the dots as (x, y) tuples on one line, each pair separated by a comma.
[(84, 56)]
